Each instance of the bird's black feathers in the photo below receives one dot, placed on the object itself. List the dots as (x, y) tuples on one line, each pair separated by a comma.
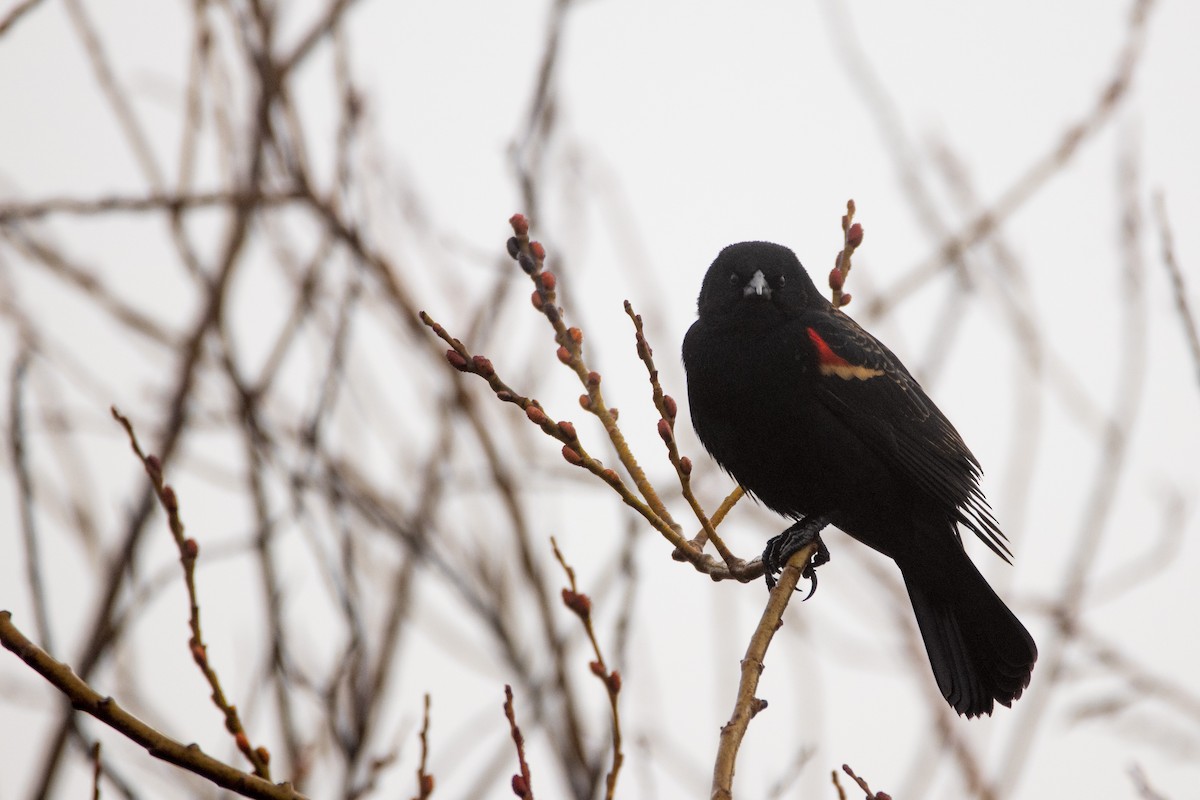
[(814, 416)]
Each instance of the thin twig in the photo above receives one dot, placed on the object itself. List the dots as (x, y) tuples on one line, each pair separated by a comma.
[(667, 409), (1178, 288), (424, 779), (522, 784), (188, 552), (18, 11), (581, 605), (96, 771), (862, 784)]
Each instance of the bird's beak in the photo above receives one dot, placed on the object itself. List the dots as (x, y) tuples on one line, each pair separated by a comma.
[(757, 285)]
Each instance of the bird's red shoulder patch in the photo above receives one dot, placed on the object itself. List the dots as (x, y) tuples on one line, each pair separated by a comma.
[(830, 363)]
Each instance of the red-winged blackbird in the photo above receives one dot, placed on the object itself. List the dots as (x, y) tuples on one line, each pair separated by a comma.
[(822, 423)]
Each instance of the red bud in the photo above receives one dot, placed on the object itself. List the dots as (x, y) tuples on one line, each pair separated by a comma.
[(538, 251), (664, 430), (846, 299), (548, 280), (483, 366), (614, 682), (519, 787), (610, 476), (593, 379), (670, 406), (576, 335), (535, 414), (190, 549), (520, 225), (581, 604), (568, 430), (264, 754), (537, 300), (585, 402), (854, 236), (243, 742), (456, 360), (169, 500), (564, 355), (836, 279), (597, 669), (572, 456), (685, 465)]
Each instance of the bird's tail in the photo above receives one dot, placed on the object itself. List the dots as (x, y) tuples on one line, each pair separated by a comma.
[(980, 652)]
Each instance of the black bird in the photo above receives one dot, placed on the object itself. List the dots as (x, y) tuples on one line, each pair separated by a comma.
[(818, 420)]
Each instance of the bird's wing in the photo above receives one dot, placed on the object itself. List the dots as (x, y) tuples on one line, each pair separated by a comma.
[(862, 383)]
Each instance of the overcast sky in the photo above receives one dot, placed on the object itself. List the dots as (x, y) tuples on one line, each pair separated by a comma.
[(682, 127)]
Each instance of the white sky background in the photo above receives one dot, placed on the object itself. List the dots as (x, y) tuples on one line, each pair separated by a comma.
[(684, 127)]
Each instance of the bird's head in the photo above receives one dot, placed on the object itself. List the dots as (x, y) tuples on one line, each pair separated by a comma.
[(756, 280)]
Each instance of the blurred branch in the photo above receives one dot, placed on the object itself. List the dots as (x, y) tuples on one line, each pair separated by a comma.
[(15, 14), (1178, 288), (116, 95), (171, 203), (18, 440), (1112, 465), (986, 222)]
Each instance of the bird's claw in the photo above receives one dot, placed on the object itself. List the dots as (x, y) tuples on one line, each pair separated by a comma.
[(782, 547)]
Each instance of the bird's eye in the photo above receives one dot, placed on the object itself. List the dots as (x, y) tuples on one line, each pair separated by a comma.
[(780, 281), (734, 280)]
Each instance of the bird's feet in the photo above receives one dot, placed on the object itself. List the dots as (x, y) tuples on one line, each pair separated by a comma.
[(782, 547)]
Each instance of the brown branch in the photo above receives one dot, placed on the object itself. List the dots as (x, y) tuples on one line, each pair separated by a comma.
[(188, 552), (321, 29), (531, 256), (522, 784), (746, 706), (156, 743), (155, 201), (1178, 288), (581, 605), (18, 441), (117, 96), (862, 784), (852, 236), (1068, 144), (1112, 466), (96, 771), (667, 409), (14, 15), (424, 779)]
